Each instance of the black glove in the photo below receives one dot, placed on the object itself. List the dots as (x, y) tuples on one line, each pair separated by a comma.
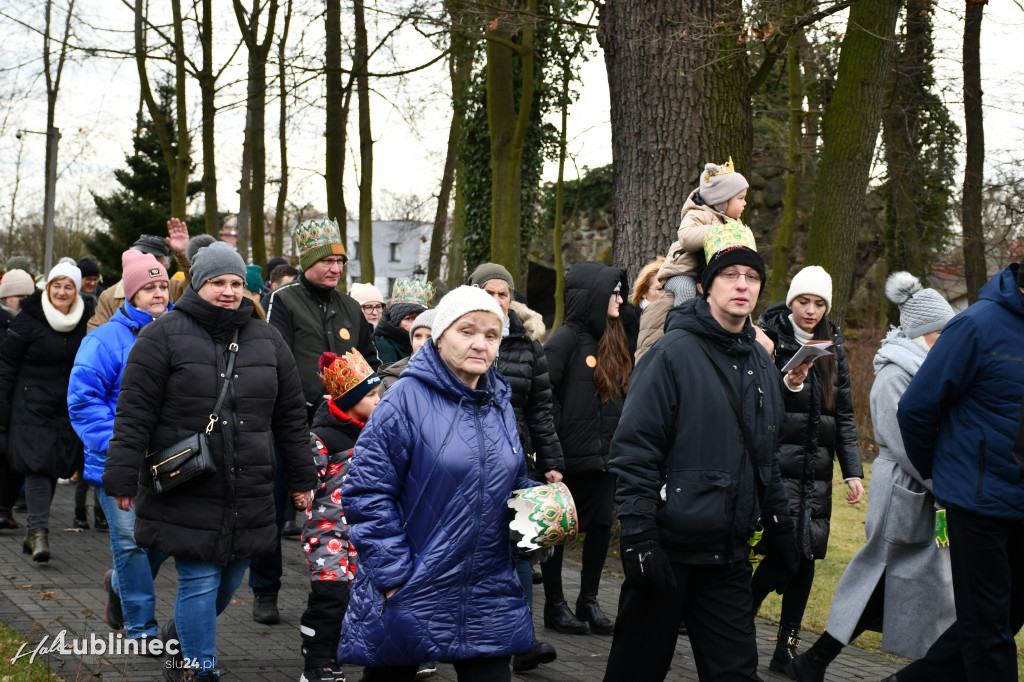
[(782, 559), (645, 562)]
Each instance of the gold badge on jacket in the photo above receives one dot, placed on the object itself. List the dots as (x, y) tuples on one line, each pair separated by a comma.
[(344, 334), (591, 361)]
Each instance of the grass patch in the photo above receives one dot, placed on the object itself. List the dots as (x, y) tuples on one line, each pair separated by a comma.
[(21, 670), (846, 537)]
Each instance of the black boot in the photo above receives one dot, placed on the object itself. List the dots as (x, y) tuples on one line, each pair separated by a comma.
[(557, 616), (37, 543), (542, 653), (100, 518), (811, 665), (264, 609), (587, 608), (81, 520), (785, 647)]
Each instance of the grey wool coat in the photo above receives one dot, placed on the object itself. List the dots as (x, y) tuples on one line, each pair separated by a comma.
[(900, 526)]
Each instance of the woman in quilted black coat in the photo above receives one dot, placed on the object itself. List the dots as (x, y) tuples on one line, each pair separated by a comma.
[(35, 365), (818, 429), (589, 362), (521, 360), (214, 524)]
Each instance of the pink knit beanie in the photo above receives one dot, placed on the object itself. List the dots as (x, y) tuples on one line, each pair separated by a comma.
[(139, 270)]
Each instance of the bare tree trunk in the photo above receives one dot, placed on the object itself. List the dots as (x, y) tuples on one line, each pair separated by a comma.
[(784, 238), (244, 192), (361, 66), (336, 118), (975, 268), (457, 257), (207, 88), (460, 68), (282, 135), (508, 119), (678, 84), (849, 132), (53, 75), (175, 142), (255, 117), (556, 231)]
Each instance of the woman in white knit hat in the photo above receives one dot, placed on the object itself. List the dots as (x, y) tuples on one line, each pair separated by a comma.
[(425, 500), (817, 430), (900, 581), (35, 364)]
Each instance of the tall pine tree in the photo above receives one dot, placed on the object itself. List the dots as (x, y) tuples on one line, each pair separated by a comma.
[(143, 203)]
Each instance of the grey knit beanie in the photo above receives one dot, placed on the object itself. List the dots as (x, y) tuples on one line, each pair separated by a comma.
[(196, 243), (921, 310), (718, 184), (424, 319), (219, 258), (485, 272)]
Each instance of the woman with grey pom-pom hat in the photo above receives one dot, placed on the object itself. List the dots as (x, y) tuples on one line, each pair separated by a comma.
[(899, 582)]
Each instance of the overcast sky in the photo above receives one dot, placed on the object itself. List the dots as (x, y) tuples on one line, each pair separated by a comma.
[(98, 99)]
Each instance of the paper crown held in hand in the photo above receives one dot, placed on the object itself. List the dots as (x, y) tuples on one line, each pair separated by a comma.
[(545, 516)]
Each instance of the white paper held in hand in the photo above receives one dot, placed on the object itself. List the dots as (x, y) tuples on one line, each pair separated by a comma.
[(809, 352)]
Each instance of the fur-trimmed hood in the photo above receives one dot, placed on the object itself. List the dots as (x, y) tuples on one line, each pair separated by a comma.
[(532, 321)]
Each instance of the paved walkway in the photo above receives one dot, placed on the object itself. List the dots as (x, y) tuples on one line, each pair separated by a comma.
[(67, 594)]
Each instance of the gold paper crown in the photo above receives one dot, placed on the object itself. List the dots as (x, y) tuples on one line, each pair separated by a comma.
[(731, 235), (410, 290), (343, 372), (725, 168)]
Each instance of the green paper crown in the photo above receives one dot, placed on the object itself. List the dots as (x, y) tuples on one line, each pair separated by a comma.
[(318, 239), (411, 290), (728, 236)]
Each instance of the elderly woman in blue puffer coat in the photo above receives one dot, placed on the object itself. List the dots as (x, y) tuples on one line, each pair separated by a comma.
[(426, 505)]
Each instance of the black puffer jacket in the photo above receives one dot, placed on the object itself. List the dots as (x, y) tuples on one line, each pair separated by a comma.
[(35, 365), (585, 425), (522, 361), (813, 435), (679, 433), (171, 383)]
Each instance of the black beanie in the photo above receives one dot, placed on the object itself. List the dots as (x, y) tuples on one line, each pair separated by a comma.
[(736, 255), (88, 267)]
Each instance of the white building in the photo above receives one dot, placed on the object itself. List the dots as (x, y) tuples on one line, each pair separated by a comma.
[(400, 249)]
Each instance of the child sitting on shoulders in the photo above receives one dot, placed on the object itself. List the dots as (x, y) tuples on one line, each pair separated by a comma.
[(353, 388), (719, 198)]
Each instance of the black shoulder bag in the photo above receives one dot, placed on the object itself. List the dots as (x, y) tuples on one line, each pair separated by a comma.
[(190, 457)]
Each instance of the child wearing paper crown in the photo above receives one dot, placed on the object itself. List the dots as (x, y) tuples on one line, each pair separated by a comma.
[(720, 197), (353, 388)]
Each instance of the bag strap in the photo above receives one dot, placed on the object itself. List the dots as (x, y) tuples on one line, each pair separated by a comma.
[(233, 351), (734, 401)]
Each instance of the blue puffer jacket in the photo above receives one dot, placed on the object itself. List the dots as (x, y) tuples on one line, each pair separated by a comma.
[(96, 382), (959, 416), (425, 501)]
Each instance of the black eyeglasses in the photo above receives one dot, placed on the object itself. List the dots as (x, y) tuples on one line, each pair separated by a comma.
[(331, 262), (617, 293), (373, 308)]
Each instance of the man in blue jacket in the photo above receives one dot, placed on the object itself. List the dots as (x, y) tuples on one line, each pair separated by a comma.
[(959, 418)]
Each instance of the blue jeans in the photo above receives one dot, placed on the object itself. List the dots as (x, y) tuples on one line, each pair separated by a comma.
[(134, 569), (204, 590)]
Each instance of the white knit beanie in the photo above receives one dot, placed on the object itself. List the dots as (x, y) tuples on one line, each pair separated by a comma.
[(921, 310), (69, 270), (811, 280), (458, 302)]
